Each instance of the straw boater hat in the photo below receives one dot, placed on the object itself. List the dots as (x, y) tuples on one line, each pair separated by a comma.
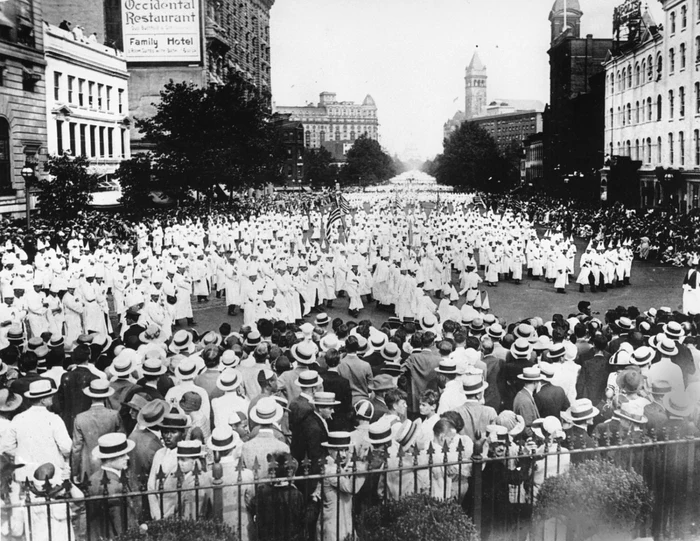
[(324, 399), (308, 378), (379, 432), (112, 446), (632, 411), (266, 411), (667, 347), (673, 330), (556, 351), (330, 341), (186, 370), (428, 322), (151, 334), (40, 388), (496, 331), (581, 410), (642, 356), (229, 359), (625, 324), (497, 434), (391, 352), (123, 364), (338, 440), (531, 374), (550, 426), (98, 388), (223, 438), (377, 341), (181, 342), (447, 366), (660, 387), (322, 319), (678, 404), (303, 353), (190, 449), (153, 413), (521, 349), (230, 379)]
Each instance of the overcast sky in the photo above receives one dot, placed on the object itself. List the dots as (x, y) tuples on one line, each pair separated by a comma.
[(410, 55)]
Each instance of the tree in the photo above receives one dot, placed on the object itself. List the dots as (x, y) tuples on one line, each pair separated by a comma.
[(470, 159), (318, 167), (67, 190), (204, 137), (510, 163), (136, 182), (367, 162)]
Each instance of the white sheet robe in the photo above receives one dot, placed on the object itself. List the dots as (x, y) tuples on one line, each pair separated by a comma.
[(691, 292), (492, 265), (37, 320), (55, 314), (155, 313), (352, 286), (101, 297), (516, 264), (380, 282), (122, 280), (200, 282), (94, 319), (74, 309), (585, 264), (183, 288), (337, 495), (328, 281), (562, 272), (232, 284)]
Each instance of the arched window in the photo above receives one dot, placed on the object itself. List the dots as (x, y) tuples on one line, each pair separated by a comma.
[(649, 110), (658, 150), (636, 113), (659, 65), (637, 75), (5, 156), (612, 83), (629, 76), (670, 104), (673, 22), (636, 149), (648, 149), (612, 118), (629, 148), (659, 106), (682, 55), (684, 17), (624, 77), (629, 113)]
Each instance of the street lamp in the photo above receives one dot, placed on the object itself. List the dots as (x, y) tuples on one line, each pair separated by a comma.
[(28, 176)]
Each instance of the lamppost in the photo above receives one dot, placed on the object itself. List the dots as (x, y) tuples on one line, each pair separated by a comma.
[(29, 176)]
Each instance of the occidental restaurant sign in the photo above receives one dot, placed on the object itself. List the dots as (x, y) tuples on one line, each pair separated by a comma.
[(161, 30)]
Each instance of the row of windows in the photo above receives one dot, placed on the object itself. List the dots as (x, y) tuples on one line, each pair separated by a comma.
[(645, 151), (88, 140), (645, 111), (322, 136), (99, 96), (674, 19)]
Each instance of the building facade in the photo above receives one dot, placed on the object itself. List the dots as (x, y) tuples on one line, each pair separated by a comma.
[(292, 134), (573, 121), (22, 100), (652, 105), (87, 101), (508, 127), (333, 120), (475, 85)]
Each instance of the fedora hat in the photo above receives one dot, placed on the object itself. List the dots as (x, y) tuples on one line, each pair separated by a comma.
[(643, 355), (338, 440), (447, 366), (230, 379), (673, 330), (324, 399), (391, 352), (364, 409), (113, 445), (223, 438), (9, 401), (408, 433), (212, 338), (496, 331), (152, 413), (581, 410), (181, 342), (547, 370), (667, 347), (632, 411), (625, 324), (473, 384), (530, 374), (678, 404), (330, 341), (497, 434), (266, 411), (379, 432), (521, 349), (41, 388), (186, 370), (190, 449), (137, 402), (382, 382), (308, 378), (303, 353), (98, 388)]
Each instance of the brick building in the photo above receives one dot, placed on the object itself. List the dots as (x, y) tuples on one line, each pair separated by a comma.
[(22, 99)]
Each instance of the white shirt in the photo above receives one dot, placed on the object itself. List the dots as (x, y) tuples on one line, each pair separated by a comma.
[(452, 397)]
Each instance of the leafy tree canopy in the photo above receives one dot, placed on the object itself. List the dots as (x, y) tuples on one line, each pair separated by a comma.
[(67, 190), (318, 168), (367, 163)]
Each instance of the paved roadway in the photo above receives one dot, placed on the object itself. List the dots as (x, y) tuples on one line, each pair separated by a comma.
[(652, 285)]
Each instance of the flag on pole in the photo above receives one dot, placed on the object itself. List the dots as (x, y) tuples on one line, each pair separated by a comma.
[(479, 201), (333, 218)]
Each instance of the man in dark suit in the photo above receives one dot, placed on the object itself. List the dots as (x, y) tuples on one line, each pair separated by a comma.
[(580, 415), (308, 437), (355, 370), (550, 399), (299, 408), (519, 357), (593, 377), (420, 366), (207, 379), (111, 517), (495, 375), (70, 400), (337, 384), (381, 384)]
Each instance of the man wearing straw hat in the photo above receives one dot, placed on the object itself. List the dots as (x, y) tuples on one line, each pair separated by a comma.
[(580, 416), (524, 403), (90, 425), (264, 417), (475, 415), (106, 516)]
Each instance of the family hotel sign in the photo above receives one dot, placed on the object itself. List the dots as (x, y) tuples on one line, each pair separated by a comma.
[(161, 30)]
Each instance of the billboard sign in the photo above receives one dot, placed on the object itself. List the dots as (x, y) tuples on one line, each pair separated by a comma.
[(161, 30)]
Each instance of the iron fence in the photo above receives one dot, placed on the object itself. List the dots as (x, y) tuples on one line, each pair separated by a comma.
[(497, 492)]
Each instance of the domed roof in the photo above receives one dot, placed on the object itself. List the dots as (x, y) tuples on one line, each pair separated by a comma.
[(369, 101), (572, 6)]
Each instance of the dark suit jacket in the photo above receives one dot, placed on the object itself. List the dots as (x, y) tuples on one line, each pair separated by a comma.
[(134, 330), (88, 427), (578, 438), (307, 441), (376, 361), (335, 383), (111, 522), (511, 370), (70, 399), (551, 400), (593, 377), (421, 367), (147, 443), (380, 409), (496, 378), (299, 409)]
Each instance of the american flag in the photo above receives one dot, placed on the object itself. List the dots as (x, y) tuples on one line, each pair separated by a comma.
[(343, 203), (478, 200), (333, 218)]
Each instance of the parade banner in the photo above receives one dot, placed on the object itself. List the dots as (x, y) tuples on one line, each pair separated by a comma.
[(161, 31)]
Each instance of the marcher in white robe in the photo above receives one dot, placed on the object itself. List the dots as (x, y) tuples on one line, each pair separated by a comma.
[(74, 309), (691, 290)]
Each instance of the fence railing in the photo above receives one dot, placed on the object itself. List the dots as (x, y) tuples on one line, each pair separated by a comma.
[(497, 492)]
